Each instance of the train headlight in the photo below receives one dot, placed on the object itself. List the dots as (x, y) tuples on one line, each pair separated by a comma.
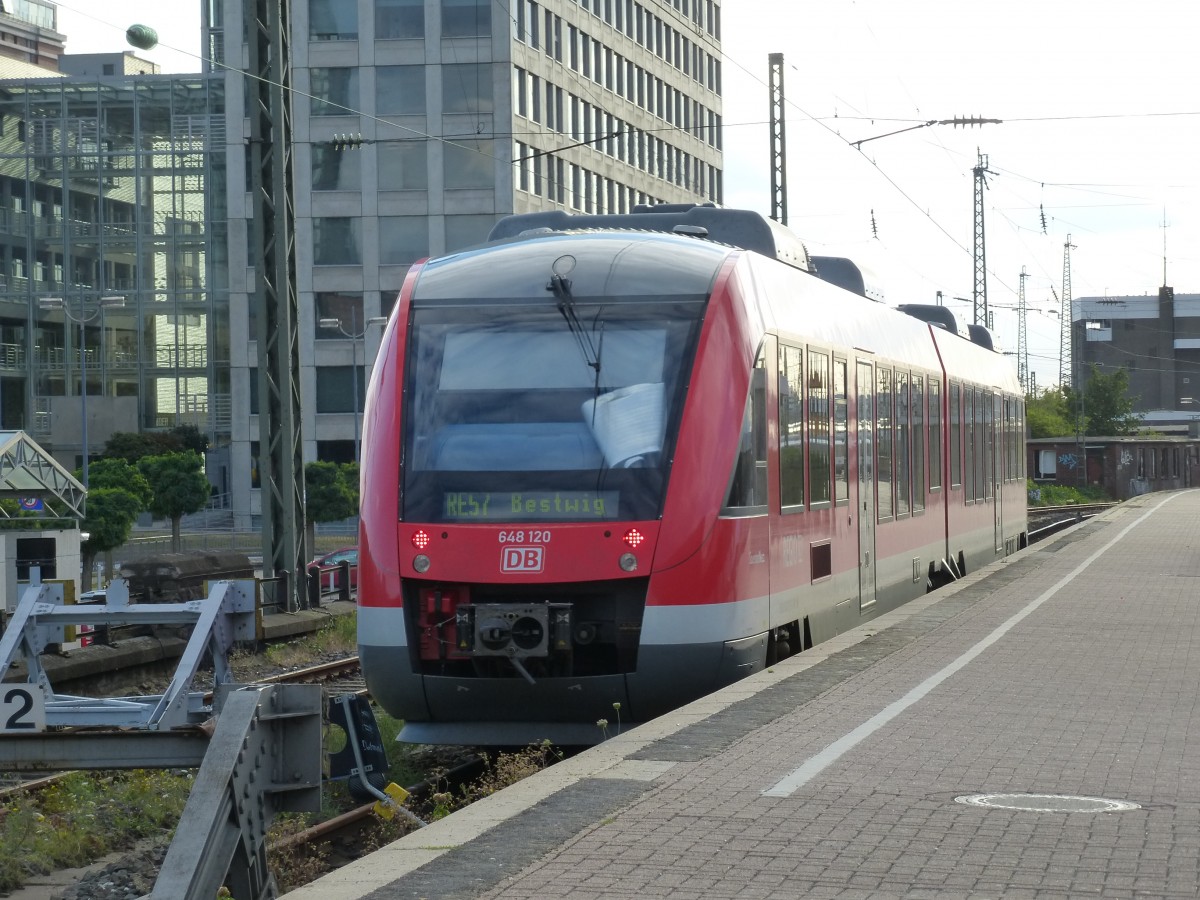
[(421, 563), (628, 562)]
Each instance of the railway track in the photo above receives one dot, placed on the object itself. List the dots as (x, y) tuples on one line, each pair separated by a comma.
[(1045, 521)]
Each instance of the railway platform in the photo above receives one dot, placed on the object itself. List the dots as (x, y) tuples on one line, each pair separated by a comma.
[(1031, 731)]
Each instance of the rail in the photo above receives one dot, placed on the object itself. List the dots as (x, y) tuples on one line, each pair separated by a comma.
[(1046, 521)]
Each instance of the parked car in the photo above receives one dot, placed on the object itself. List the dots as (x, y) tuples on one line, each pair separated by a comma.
[(328, 564)]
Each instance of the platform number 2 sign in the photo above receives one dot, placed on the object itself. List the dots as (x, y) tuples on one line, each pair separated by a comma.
[(22, 709)]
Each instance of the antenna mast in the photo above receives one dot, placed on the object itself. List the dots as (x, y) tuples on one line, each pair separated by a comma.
[(1022, 341), (1064, 320), (981, 305), (778, 141)]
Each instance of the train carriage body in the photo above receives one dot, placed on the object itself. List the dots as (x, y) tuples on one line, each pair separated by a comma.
[(608, 471)]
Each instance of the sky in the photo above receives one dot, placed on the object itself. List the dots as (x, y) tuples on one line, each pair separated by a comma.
[(1100, 121)]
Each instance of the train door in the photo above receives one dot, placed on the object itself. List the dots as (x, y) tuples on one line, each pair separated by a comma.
[(865, 440), (999, 431)]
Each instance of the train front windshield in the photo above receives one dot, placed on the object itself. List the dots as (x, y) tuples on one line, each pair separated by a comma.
[(546, 412)]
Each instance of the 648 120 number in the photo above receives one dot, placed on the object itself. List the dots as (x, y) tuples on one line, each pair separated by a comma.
[(533, 536), (22, 709)]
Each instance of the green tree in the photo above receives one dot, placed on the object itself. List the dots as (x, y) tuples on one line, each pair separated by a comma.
[(1107, 405), (133, 445), (330, 494), (111, 512), (179, 486), (111, 475), (190, 438), (1049, 414), (119, 473)]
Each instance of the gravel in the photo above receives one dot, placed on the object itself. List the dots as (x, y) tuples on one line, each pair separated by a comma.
[(129, 878)]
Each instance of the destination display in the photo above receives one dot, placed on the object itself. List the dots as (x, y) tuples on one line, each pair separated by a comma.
[(509, 506)]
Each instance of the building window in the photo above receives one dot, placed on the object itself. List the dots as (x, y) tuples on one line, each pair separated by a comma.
[(467, 88), (469, 164), (467, 231), (466, 18), (400, 90), (335, 390), (332, 20), (402, 239), (336, 170), (337, 241), (334, 91), (399, 19), (402, 166), (345, 306)]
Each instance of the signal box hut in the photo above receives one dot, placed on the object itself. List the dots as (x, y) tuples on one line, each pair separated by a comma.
[(1124, 466)]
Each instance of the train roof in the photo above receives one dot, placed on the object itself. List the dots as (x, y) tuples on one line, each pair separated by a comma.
[(735, 227), (619, 264)]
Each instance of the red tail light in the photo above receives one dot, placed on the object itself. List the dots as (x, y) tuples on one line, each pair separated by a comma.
[(633, 537)]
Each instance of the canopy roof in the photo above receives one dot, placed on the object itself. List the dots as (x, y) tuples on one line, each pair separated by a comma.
[(28, 473)]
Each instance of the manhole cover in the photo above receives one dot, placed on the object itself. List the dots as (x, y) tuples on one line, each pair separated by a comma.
[(1046, 803)]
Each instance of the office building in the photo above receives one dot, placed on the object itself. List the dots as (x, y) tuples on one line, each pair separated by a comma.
[(1156, 339), (468, 110)]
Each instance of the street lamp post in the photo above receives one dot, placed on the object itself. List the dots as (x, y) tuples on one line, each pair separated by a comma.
[(82, 319), (355, 337)]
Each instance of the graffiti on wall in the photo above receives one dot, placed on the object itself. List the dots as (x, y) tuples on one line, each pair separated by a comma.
[(1069, 461)]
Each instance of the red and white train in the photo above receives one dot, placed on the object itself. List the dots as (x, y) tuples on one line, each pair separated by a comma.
[(612, 463)]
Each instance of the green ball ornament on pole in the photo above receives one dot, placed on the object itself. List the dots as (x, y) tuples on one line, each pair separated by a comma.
[(142, 36)]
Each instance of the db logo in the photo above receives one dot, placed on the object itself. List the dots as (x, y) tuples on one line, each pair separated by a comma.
[(522, 559)]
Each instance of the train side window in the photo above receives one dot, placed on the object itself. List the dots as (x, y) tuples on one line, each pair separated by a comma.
[(955, 435), (791, 428), (747, 492), (985, 451), (903, 438), (935, 434), (884, 406), (1024, 471), (1014, 439), (819, 431), (841, 446), (969, 444), (918, 442)]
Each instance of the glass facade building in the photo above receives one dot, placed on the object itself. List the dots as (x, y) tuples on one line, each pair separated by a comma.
[(114, 187)]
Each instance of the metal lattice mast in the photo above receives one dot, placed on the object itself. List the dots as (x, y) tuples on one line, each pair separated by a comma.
[(981, 305), (281, 463), (1022, 340), (1065, 368), (778, 142)]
